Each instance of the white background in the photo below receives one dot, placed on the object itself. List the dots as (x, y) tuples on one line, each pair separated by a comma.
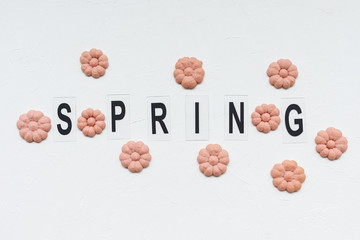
[(79, 190)]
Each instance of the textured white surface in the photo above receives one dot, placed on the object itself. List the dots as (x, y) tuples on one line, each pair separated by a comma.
[(79, 190)]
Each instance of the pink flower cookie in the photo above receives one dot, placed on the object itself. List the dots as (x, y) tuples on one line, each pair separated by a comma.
[(33, 126), (213, 160), (91, 122), (266, 118), (189, 72), (288, 176), (135, 156), (331, 143), (94, 63), (282, 73)]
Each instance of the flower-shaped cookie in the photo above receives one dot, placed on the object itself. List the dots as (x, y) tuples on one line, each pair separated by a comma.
[(282, 73), (135, 156), (33, 126), (213, 160), (331, 143), (189, 72), (266, 118), (91, 122), (94, 63), (288, 176)]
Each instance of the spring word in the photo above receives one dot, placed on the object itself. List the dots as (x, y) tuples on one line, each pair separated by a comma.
[(237, 120)]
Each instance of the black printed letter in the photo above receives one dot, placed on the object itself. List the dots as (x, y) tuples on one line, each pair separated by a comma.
[(64, 118), (297, 121), (159, 119), (197, 118), (115, 117), (233, 113)]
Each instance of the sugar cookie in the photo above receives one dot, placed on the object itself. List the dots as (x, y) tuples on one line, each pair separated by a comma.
[(189, 72), (266, 118), (288, 176), (91, 122), (33, 126), (331, 143), (213, 160), (94, 63), (135, 156), (282, 74)]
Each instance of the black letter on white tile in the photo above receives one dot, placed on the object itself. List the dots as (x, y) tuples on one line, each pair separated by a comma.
[(64, 118), (239, 120), (115, 117), (159, 118), (299, 122), (197, 123)]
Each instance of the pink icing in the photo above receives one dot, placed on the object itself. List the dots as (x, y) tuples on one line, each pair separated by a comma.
[(135, 156), (331, 143), (213, 160), (266, 118), (288, 176), (91, 122), (189, 72), (282, 74), (33, 126), (94, 63)]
